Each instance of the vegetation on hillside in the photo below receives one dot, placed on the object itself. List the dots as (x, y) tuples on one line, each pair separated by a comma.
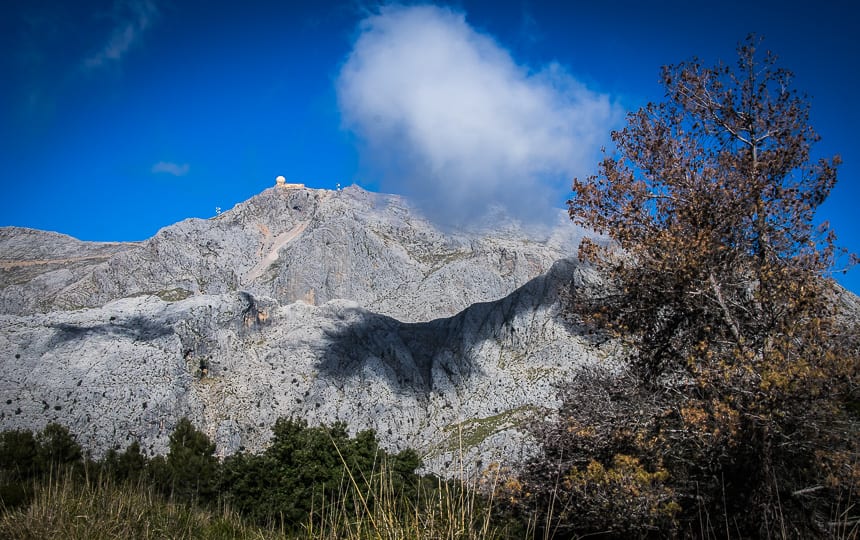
[(311, 482)]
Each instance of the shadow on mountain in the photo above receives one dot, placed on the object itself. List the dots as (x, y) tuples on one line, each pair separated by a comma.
[(137, 328), (412, 352)]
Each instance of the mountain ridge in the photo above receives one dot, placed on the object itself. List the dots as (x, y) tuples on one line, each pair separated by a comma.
[(329, 305), (329, 236)]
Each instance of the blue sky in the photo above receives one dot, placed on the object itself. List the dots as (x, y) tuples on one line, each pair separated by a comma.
[(119, 117)]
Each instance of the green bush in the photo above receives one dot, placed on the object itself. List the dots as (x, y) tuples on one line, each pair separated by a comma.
[(127, 466), (57, 448), (25, 457), (304, 466), (18, 450), (190, 471)]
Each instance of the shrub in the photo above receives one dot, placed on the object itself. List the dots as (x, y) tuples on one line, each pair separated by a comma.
[(190, 471), (303, 466)]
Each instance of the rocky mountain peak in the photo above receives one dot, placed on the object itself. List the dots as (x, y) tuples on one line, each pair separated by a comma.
[(325, 304)]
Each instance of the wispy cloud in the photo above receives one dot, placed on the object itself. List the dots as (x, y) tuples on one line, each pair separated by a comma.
[(133, 18), (171, 168), (529, 30), (447, 116)]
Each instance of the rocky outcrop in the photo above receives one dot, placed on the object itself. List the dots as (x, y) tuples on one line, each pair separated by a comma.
[(325, 305), (34, 265)]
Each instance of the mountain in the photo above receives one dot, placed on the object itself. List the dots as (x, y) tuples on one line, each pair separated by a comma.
[(328, 305)]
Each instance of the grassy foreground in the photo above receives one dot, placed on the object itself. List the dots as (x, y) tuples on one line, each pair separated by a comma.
[(67, 507)]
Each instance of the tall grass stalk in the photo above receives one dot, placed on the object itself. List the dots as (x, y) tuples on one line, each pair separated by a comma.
[(371, 507)]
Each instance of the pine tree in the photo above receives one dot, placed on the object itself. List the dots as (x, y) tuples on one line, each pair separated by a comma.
[(190, 466)]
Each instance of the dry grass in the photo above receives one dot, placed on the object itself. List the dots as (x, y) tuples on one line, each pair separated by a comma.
[(365, 508), (72, 509), (372, 508)]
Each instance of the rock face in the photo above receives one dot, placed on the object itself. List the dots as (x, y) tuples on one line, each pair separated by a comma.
[(297, 244), (321, 304)]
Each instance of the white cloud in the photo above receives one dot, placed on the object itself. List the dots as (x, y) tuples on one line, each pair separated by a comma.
[(130, 25), (171, 168), (447, 117)]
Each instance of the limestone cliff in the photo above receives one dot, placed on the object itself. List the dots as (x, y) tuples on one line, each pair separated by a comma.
[(321, 304)]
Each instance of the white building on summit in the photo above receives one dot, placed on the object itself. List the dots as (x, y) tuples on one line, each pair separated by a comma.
[(281, 182)]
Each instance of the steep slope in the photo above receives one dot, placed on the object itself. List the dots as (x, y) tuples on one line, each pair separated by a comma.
[(326, 305), (304, 244), (33, 262)]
